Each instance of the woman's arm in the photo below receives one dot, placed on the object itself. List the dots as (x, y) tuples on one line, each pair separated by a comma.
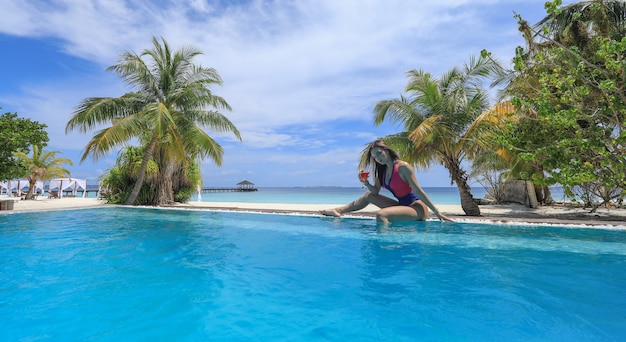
[(374, 189), (407, 175)]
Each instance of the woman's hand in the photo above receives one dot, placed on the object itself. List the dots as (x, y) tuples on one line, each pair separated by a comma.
[(444, 218), (363, 176)]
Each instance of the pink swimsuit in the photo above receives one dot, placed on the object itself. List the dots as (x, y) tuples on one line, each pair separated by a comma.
[(399, 188)]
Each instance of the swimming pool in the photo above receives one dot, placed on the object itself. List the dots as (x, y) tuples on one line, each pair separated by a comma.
[(149, 274)]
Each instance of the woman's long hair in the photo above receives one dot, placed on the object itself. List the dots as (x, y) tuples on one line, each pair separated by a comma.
[(379, 169)]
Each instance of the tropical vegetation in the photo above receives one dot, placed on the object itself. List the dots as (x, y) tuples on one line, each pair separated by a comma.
[(560, 119), (167, 113), (42, 165), (569, 88), (18, 135), (120, 179)]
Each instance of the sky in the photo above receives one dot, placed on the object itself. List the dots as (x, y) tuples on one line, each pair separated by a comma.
[(302, 76)]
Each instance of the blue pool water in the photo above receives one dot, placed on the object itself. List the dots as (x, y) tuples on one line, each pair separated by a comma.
[(163, 275)]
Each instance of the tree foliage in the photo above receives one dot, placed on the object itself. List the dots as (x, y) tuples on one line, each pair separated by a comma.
[(42, 165), (18, 135), (119, 180), (570, 80)]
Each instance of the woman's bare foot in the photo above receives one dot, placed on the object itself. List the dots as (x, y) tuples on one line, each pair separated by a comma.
[(330, 212)]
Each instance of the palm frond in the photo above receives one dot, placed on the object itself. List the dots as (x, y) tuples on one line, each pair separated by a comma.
[(206, 147), (398, 111)]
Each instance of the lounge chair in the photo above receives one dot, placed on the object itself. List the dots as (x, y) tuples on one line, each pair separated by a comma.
[(53, 194)]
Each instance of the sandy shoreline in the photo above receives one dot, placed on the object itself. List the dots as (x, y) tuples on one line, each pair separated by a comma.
[(496, 213)]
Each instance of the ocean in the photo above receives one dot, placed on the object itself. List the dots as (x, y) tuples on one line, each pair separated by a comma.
[(328, 195), (325, 195), (308, 195)]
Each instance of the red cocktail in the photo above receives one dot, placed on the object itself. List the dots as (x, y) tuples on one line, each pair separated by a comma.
[(363, 175)]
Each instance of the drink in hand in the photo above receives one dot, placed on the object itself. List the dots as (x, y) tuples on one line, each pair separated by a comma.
[(363, 175)]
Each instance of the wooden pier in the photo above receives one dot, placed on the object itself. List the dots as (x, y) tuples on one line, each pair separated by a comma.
[(208, 190), (243, 186), (79, 193)]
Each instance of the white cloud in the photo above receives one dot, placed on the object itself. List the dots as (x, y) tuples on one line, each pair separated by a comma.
[(285, 64), (268, 139)]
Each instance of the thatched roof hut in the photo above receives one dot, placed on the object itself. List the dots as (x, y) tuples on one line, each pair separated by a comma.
[(246, 185)]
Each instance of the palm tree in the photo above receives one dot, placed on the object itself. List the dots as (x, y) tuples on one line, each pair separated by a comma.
[(42, 166), (573, 24), (166, 110), (442, 121)]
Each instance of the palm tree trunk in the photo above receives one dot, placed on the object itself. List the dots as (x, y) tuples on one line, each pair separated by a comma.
[(469, 206), (142, 172), (165, 192), (31, 193)]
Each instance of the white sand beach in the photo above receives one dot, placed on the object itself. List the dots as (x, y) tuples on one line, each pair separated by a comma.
[(44, 204), (497, 213)]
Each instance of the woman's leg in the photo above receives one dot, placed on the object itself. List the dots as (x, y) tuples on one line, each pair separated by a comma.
[(360, 203), (417, 211)]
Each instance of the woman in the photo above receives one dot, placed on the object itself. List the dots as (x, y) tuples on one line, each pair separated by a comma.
[(397, 176)]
